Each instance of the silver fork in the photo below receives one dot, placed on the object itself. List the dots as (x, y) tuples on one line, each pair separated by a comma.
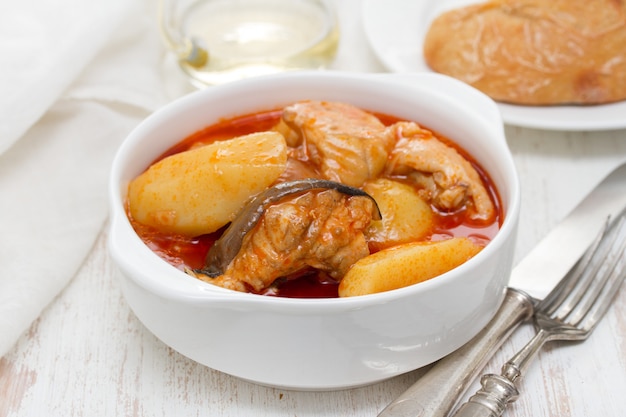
[(570, 312)]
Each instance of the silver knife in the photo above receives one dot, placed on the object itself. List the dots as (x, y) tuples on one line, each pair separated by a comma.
[(438, 390)]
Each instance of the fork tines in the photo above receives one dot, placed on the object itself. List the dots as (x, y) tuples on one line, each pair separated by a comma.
[(583, 298)]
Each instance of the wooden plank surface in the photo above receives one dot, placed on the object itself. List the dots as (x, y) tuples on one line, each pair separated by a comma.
[(88, 355)]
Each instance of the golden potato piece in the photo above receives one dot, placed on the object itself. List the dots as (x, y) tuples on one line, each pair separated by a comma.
[(405, 265), (405, 216), (200, 190)]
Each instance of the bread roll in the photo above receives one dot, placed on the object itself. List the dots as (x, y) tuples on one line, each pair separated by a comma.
[(535, 52)]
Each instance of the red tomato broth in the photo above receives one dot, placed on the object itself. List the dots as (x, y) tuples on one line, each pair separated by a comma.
[(184, 252)]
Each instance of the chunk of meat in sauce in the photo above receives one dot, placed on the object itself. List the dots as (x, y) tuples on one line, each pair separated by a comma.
[(318, 229), (345, 143), (449, 180)]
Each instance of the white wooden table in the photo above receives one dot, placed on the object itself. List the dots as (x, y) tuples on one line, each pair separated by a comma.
[(87, 354)]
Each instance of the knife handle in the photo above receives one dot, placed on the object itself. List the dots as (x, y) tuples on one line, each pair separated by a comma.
[(437, 391)]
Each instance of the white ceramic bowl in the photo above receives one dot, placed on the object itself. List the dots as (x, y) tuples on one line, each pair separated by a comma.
[(319, 344)]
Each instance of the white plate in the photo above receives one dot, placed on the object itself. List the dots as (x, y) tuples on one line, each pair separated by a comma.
[(396, 29)]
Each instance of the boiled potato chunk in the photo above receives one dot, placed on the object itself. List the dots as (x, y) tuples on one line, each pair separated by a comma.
[(405, 265), (405, 216), (200, 190)]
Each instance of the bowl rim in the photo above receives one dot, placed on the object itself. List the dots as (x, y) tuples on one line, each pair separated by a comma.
[(201, 292)]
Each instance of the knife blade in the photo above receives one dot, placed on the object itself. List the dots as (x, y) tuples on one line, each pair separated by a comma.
[(438, 390)]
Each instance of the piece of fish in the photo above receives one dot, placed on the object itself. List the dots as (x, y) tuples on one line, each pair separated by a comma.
[(345, 143), (449, 180), (307, 223)]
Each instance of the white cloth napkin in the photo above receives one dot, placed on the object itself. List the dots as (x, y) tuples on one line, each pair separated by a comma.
[(76, 77)]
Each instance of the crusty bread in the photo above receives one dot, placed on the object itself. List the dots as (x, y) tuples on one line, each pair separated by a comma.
[(535, 52)]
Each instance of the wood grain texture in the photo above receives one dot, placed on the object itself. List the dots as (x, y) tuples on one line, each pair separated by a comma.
[(88, 355)]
